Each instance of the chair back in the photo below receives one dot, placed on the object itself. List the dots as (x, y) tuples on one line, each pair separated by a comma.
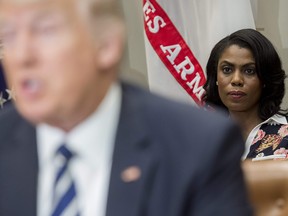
[(267, 183)]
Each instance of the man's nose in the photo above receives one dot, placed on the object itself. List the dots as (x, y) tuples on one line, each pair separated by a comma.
[(20, 52)]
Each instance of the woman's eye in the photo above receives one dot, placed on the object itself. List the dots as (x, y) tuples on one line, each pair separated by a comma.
[(250, 71), (226, 70)]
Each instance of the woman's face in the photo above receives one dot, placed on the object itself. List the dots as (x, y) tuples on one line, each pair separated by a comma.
[(239, 86)]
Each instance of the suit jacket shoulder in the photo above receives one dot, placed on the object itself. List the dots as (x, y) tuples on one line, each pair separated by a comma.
[(188, 159), (18, 164)]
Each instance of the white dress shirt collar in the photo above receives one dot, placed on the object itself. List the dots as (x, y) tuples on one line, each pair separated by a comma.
[(88, 137), (93, 142)]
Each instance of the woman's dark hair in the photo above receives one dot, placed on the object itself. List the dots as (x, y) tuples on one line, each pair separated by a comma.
[(268, 68)]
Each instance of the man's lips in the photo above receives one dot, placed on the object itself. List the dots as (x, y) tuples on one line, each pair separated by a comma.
[(30, 87)]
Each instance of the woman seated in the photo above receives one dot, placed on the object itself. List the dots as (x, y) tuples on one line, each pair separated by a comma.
[(245, 77)]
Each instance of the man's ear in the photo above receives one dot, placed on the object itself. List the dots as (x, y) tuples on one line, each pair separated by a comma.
[(111, 47)]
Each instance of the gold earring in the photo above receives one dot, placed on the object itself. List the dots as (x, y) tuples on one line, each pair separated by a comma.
[(217, 83)]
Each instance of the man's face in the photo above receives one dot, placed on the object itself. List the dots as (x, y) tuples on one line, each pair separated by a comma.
[(51, 61)]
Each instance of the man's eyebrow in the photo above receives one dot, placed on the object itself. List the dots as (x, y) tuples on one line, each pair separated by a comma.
[(48, 13), (45, 13)]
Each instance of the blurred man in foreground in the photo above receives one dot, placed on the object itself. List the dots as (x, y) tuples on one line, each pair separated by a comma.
[(80, 142)]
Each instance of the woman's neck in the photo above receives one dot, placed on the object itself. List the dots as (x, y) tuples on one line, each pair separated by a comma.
[(247, 121)]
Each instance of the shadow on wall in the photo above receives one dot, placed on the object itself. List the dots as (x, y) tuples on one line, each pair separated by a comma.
[(271, 21)]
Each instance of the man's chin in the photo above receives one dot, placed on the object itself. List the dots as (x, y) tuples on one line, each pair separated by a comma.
[(35, 115)]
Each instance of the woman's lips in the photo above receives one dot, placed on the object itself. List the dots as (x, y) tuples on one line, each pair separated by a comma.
[(236, 94)]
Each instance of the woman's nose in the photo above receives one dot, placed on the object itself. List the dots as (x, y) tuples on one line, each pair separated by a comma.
[(237, 79)]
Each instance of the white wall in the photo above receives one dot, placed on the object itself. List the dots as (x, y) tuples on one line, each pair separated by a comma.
[(134, 67), (271, 20)]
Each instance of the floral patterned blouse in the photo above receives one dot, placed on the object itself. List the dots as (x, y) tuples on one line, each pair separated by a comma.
[(272, 135)]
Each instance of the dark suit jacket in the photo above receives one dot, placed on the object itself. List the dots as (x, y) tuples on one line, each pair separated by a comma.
[(189, 161)]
